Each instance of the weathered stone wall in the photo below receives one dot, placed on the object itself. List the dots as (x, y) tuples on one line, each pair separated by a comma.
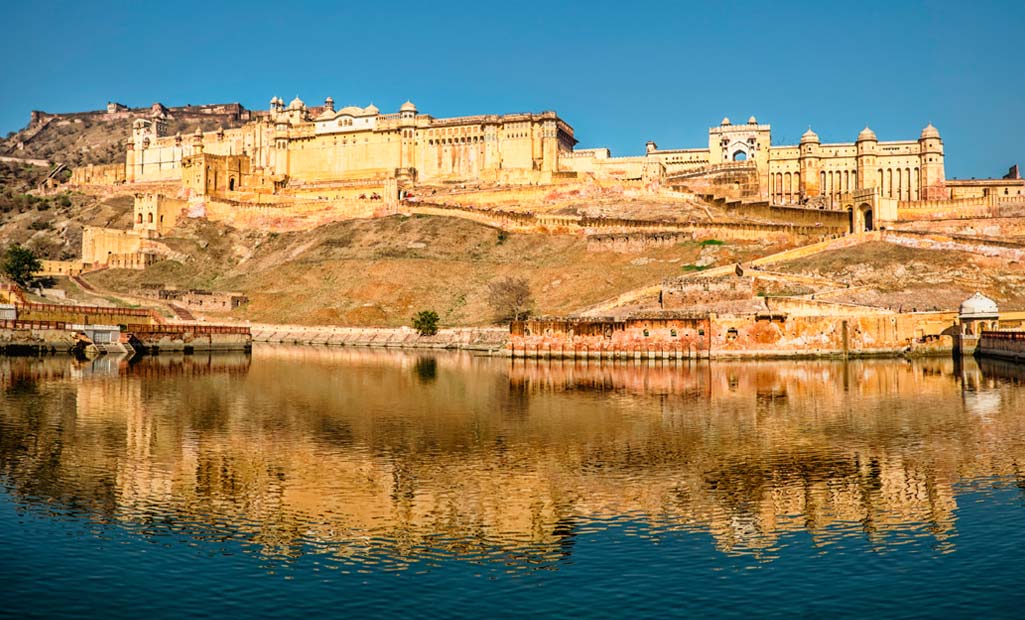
[(479, 339), (996, 227), (768, 334), (60, 268), (1009, 250), (1002, 344), (105, 174), (833, 219), (157, 213), (86, 315), (189, 337), (679, 293), (35, 337), (662, 335), (212, 301)]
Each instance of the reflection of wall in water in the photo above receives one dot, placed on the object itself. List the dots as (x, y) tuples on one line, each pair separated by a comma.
[(342, 447)]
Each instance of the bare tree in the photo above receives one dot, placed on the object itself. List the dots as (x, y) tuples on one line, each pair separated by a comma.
[(510, 297)]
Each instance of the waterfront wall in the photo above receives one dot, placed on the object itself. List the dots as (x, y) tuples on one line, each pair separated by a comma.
[(473, 339), (763, 335), (190, 338), (35, 337), (1004, 344)]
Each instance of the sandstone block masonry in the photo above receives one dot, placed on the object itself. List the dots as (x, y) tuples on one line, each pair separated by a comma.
[(768, 334)]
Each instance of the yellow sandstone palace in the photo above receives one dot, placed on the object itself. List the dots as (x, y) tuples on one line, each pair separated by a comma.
[(295, 144), (312, 148)]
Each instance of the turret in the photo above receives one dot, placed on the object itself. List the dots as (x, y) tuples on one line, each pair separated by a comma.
[(329, 104), (407, 122), (407, 112), (866, 158), (809, 157), (130, 162), (932, 181), (197, 142)]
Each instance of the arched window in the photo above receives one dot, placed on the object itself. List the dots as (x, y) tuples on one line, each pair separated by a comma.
[(150, 218), (740, 156)]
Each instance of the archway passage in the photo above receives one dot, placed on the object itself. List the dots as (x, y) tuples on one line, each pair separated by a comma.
[(740, 156), (861, 218)]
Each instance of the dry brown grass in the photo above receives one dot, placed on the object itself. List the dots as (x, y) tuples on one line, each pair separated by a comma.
[(382, 271)]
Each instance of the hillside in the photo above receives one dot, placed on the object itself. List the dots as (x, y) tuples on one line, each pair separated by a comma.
[(51, 225), (382, 271), (88, 139), (898, 277)]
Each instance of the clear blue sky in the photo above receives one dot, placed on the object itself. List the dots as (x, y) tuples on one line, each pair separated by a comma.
[(621, 73)]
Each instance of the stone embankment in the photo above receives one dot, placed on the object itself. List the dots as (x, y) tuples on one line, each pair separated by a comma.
[(1002, 344), (484, 339)]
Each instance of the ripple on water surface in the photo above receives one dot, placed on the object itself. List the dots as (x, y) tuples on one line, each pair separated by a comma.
[(302, 481)]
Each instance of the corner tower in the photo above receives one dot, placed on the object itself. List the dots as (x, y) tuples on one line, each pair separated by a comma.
[(933, 183), (407, 133), (867, 144), (810, 164)]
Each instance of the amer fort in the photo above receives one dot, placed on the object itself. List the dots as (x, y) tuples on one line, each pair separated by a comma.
[(295, 167)]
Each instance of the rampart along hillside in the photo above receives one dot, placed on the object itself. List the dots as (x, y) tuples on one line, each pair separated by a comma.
[(100, 137)]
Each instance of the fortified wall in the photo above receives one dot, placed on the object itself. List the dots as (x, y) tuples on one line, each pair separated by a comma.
[(767, 334), (114, 111)]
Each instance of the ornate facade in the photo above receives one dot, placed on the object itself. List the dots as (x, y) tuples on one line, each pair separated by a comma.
[(299, 145), (903, 170)]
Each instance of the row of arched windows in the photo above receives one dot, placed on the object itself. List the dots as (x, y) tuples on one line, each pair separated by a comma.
[(785, 187), (461, 140), (899, 183)]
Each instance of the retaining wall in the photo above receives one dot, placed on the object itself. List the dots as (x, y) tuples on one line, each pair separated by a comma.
[(474, 339), (1002, 344)]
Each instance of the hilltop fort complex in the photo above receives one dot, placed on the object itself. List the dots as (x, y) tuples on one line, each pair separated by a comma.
[(302, 147), (744, 211)]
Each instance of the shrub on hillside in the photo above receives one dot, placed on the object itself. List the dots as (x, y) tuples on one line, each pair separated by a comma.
[(426, 322)]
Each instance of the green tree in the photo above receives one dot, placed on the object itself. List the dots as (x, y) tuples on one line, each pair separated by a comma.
[(426, 322), (20, 263)]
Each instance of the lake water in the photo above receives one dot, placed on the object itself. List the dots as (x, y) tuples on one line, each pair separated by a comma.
[(304, 482)]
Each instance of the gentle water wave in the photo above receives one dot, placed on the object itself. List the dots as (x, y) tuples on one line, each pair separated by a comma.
[(301, 462)]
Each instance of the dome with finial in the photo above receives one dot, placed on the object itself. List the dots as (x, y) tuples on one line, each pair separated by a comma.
[(979, 306), (867, 134), (929, 132), (809, 136), (725, 121), (407, 107), (371, 110), (752, 121), (296, 104)]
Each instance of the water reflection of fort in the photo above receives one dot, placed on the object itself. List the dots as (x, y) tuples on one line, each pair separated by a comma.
[(393, 454)]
